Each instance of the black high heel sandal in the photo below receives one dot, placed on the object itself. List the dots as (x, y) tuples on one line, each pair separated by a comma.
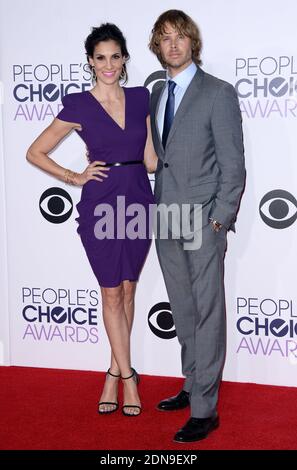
[(115, 404), (136, 379)]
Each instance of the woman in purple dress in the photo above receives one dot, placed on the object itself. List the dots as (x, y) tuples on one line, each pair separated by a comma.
[(114, 123)]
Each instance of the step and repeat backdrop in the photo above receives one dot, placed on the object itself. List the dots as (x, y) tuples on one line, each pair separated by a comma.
[(50, 300)]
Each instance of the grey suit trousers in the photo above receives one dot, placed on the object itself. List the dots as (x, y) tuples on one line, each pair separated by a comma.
[(195, 284)]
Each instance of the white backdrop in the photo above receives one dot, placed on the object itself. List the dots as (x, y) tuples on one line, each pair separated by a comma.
[(47, 276)]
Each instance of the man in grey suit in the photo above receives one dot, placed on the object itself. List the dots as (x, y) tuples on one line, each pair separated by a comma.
[(197, 134)]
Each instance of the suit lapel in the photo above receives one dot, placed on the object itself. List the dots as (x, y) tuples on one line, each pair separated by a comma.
[(190, 95), (155, 109)]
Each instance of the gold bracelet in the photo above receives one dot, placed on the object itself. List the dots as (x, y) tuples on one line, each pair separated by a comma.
[(69, 177)]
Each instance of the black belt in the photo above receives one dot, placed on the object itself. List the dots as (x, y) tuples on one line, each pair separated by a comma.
[(130, 162)]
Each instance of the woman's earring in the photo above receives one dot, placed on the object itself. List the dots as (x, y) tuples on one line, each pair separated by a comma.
[(94, 78), (123, 73)]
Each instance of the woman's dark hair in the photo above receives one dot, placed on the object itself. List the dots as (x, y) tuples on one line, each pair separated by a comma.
[(107, 32)]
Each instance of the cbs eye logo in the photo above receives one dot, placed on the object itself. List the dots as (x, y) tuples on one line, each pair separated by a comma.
[(155, 80), (278, 209), (55, 205), (160, 321)]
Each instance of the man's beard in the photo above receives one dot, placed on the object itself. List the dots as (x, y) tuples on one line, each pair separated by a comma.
[(180, 63)]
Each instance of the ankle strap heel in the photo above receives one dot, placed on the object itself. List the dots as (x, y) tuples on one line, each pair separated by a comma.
[(134, 375), (112, 405), (137, 408), (113, 375)]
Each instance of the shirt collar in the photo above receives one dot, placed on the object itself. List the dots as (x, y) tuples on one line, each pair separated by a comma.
[(183, 78)]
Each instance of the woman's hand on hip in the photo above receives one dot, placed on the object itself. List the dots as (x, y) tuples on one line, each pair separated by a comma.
[(95, 171)]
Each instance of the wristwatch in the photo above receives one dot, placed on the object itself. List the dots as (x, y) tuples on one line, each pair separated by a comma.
[(215, 225)]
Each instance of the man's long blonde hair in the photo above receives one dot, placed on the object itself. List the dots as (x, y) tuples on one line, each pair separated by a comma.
[(184, 25)]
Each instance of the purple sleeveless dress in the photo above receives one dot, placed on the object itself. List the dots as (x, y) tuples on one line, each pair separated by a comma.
[(121, 258)]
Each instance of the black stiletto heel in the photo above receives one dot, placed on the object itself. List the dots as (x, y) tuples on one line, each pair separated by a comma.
[(115, 404), (136, 379)]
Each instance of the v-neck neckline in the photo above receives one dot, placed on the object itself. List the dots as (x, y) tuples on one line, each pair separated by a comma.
[(110, 117)]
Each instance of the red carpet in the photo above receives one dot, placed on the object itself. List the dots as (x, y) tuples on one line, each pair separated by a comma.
[(56, 409)]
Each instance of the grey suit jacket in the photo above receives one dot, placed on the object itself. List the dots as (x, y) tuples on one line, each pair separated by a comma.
[(203, 161)]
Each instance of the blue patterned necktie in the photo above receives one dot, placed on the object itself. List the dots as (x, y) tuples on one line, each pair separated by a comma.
[(169, 112)]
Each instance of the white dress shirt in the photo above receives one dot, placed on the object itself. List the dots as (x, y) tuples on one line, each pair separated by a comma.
[(182, 80)]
